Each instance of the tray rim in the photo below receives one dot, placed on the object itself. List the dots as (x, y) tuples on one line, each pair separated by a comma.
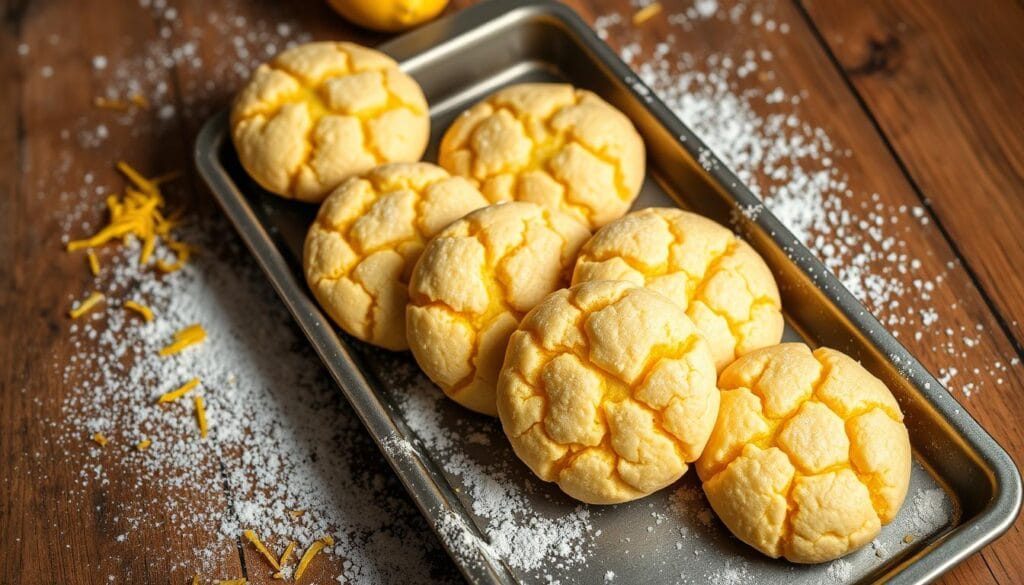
[(427, 487)]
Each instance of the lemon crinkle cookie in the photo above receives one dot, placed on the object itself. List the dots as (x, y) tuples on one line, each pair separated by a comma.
[(720, 281), (322, 112), (809, 456), (551, 144), (367, 237), (609, 390), (472, 285)]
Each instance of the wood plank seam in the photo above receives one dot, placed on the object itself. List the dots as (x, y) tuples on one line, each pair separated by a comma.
[(1017, 344)]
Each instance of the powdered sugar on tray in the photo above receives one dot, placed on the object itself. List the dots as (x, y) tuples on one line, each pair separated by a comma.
[(512, 529), (929, 511)]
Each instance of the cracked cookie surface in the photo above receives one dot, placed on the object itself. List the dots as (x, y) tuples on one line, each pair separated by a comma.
[(718, 279), (809, 455), (551, 144), (366, 238), (322, 112), (609, 390), (472, 285)]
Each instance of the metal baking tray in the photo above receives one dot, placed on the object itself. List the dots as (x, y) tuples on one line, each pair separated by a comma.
[(462, 58)]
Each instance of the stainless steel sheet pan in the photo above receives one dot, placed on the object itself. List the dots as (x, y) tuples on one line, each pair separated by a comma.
[(960, 474)]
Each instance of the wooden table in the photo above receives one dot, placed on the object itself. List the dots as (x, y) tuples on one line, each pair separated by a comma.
[(926, 94)]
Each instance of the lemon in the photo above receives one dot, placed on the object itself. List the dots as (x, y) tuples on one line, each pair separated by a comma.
[(388, 15)]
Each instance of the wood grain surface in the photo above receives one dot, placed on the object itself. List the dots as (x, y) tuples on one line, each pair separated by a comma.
[(927, 95)]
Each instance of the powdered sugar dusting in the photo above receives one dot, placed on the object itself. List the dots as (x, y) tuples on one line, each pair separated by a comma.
[(514, 531), (280, 438), (929, 510), (732, 102)]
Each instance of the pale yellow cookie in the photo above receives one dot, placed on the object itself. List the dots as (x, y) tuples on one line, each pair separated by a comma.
[(472, 285), (367, 237), (720, 281), (609, 390), (809, 456), (551, 144), (320, 113)]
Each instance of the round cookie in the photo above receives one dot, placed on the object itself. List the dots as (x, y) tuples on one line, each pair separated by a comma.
[(474, 282), (809, 456), (367, 237), (609, 390), (720, 281), (551, 144), (322, 112)]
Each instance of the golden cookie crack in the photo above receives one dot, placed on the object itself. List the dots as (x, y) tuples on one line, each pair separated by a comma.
[(769, 439), (564, 205), (623, 192), (681, 350), (307, 80), (344, 230), (542, 153)]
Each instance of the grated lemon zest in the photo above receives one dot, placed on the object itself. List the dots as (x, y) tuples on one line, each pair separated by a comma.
[(86, 305), (146, 312), (200, 415), (110, 104), (139, 100), (99, 439), (141, 183), (94, 262), (195, 579), (143, 444), (183, 252), (232, 582), (278, 575), (297, 513), (188, 336), (250, 535), (148, 245), (646, 13), (136, 213), (307, 556), (287, 554), (178, 392)]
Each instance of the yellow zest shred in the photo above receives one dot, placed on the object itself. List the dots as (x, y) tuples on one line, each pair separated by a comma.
[(297, 513), (94, 263), (110, 104), (146, 312), (287, 554), (278, 575), (195, 579), (178, 392), (183, 252), (139, 101), (138, 213), (200, 415), (307, 556), (250, 535), (141, 183), (646, 13), (232, 582), (190, 335), (143, 444), (86, 305), (99, 439)]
